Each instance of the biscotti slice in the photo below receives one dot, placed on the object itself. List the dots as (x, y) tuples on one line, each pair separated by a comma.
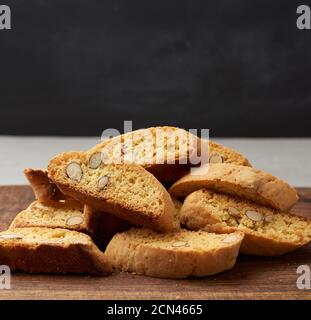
[(71, 215), (45, 250), (268, 232), (245, 182), (43, 188), (68, 215), (166, 152), (125, 190), (218, 153), (180, 254)]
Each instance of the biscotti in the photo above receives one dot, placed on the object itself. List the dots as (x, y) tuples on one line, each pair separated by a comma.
[(67, 215), (163, 151), (71, 215), (44, 250), (166, 152), (218, 153), (43, 188), (173, 255), (268, 232), (125, 190), (243, 181)]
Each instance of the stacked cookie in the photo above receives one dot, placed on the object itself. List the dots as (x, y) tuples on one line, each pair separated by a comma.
[(137, 203)]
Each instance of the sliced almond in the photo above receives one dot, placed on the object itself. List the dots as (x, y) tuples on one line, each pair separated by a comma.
[(102, 182), (105, 157), (254, 215), (38, 205), (179, 244), (74, 220), (11, 236), (74, 171), (234, 212), (95, 160), (230, 238), (216, 158)]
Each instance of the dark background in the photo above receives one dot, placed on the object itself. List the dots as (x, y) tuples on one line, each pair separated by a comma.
[(240, 68)]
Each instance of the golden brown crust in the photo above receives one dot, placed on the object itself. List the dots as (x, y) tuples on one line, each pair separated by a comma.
[(110, 199), (242, 181), (71, 215), (38, 250), (227, 155), (175, 163), (52, 214), (274, 233), (43, 188), (166, 172), (176, 255)]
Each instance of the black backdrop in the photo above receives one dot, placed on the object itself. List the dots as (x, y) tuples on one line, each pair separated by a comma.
[(240, 68)]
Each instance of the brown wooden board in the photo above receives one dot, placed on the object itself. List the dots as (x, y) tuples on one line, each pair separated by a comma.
[(252, 277)]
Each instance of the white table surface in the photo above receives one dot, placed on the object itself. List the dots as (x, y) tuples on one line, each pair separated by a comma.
[(288, 159)]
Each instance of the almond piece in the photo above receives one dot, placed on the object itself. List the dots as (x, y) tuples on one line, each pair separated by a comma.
[(95, 160), (234, 212), (230, 238), (74, 171), (254, 215), (179, 244), (11, 236), (102, 182), (74, 220), (216, 158), (268, 217), (39, 206)]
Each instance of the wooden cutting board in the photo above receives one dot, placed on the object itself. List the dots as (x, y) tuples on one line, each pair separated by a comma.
[(252, 277)]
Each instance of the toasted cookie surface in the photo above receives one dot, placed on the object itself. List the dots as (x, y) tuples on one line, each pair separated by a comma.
[(179, 254), (166, 152), (45, 250), (243, 181), (125, 190), (68, 215), (268, 232), (218, 153), (43, 188)]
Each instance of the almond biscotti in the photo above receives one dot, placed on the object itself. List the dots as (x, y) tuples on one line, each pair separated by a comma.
[(268, 232), (125, 190), (218, 153), (163, 151), (245, 182), (166, 152), (43, 188), (173, 255), (44, 250), (72, 215), (67, 215)]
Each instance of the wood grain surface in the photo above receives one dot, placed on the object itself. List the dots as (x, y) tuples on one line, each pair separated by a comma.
[(252, 277)]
